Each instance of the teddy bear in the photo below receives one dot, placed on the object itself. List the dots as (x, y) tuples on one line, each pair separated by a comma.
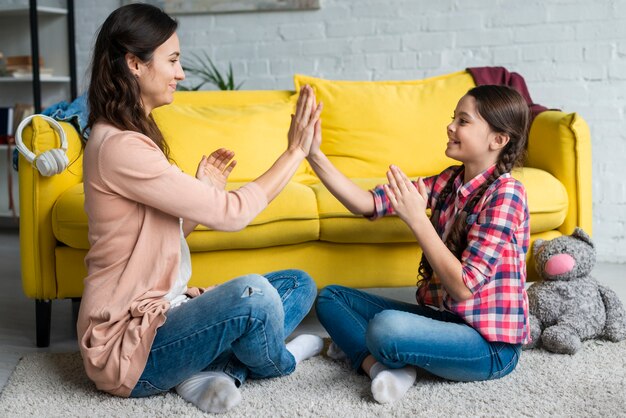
[(568, 306)]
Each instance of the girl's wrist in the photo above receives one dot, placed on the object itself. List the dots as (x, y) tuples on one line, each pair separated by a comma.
[(315, 157)]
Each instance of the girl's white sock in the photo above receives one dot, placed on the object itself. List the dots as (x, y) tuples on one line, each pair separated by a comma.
[(304, 346), (389, 385), (210, 391)]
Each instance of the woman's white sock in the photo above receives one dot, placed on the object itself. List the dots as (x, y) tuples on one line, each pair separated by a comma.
[(389, 385), (210, 391), (304, 346)]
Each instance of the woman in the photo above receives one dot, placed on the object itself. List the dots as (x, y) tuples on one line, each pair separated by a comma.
[(141, 330)]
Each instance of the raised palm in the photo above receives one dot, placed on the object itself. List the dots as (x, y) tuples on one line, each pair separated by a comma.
[(216, 168)]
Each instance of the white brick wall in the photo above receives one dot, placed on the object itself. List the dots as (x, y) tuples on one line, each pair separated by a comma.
[(572, 54)]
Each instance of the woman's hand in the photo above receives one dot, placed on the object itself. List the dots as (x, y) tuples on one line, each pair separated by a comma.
[(408, 201), (216, 168), (305, 122)]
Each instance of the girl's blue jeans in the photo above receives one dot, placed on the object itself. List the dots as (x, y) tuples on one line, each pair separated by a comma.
[(238, 328), (399, 334)]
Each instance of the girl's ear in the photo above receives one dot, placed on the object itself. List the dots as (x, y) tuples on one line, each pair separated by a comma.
[(133, 64), (499, 141)]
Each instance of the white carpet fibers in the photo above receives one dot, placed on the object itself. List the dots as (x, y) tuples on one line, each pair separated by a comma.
[(591, 383)]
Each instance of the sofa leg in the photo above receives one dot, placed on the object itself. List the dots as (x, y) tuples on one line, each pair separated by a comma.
[(43, 313)]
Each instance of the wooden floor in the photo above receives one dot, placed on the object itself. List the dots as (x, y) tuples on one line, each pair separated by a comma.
[(17, 312)]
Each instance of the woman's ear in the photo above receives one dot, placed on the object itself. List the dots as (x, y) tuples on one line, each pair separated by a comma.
[(133, 64), (499, 141)]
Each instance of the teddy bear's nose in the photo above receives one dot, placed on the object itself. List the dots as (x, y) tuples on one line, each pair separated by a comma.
[(559, 264)]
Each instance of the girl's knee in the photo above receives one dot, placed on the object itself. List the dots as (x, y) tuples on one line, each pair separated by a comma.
[(384, 329), (330, 293), (327, 296)]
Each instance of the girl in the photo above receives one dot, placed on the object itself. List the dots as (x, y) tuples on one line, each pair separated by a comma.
[(141, 330), (471, 316)]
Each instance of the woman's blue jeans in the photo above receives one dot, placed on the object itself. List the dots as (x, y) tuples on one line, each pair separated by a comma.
[(399, 334), (238, 328)]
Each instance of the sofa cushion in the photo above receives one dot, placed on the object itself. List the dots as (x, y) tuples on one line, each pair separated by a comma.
[(257, 133), (547, 201), (291, 218), (368, 125)]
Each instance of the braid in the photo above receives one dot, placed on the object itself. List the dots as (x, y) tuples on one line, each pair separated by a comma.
[(425, 270)]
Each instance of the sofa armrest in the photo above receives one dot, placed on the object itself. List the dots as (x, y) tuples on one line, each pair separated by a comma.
[(560, 144), (38, 195)]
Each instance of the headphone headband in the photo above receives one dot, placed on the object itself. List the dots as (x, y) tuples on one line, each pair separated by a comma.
[(28, 154)]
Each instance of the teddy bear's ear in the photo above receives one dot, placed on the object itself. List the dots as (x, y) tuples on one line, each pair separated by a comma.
[(582, 235)]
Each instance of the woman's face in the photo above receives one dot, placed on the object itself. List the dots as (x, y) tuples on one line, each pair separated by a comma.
[(158, 78)]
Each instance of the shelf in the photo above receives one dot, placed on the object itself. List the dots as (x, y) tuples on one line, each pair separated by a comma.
[(23, 11), (29, 79)]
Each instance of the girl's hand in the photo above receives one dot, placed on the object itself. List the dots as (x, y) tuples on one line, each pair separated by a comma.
[(305, 122), (216, 168), (317, 134), (408, 201)]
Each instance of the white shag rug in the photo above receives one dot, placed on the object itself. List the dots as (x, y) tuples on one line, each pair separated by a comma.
[(591, 383)]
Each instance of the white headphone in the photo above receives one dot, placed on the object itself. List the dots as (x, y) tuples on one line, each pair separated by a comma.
[(50, 162)]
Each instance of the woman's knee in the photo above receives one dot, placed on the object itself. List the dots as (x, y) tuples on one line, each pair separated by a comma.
[(257, 290), (302, 281)]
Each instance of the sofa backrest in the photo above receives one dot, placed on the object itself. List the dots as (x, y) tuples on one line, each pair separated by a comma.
[(368, 125)]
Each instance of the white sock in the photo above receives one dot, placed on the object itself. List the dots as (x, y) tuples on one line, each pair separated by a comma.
[(304, 346), (210, 391), (335, 353), (389, 385)]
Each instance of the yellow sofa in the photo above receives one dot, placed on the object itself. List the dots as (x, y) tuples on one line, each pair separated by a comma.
[(366, 126)]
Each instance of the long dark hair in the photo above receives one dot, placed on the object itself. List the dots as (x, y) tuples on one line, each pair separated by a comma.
[(506, 112), (114, 94)]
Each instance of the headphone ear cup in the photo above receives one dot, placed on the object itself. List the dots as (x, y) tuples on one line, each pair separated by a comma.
[(60, 157), (45, 164), (51, 162)]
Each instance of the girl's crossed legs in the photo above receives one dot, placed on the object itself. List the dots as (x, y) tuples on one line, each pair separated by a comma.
[(398, 334)]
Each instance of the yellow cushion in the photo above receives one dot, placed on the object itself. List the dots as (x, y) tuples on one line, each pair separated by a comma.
[(291, 218), (368, 125), (547, 198), (338, 224), (547, 202), (257, 133)]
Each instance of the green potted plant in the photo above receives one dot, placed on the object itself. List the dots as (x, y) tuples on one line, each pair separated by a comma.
[(201, 66)]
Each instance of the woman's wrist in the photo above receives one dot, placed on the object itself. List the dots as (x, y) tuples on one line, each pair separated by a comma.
[(296, 152)]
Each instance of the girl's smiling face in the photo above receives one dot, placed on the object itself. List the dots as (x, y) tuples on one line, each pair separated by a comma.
[(470, 138)]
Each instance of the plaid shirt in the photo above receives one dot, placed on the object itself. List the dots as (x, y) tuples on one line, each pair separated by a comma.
[(494, 262)]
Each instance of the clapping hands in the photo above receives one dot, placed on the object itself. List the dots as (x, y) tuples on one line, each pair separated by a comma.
[(407, 200), (306, 123), (216, 168)]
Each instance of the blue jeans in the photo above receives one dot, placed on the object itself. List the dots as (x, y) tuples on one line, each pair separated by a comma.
[(399, 334), (238, 328)]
